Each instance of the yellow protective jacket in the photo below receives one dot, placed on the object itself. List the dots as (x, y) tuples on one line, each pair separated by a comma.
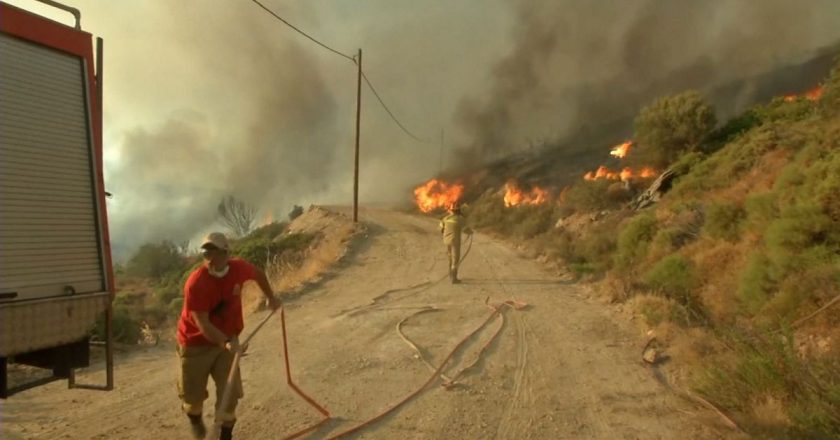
[(452, 226)]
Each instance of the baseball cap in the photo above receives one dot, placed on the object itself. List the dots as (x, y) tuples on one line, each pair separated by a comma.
[(216, 239)]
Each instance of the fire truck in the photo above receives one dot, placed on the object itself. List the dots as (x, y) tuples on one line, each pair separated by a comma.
[(56, 277)]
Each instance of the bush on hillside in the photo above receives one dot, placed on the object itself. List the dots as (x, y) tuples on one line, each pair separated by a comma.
[(633, 240), (727, 166), (675, 277), (731, 130), (296, 212), (829, 103), (590, 196), (760, 210), (488, 211), (267, 232), (768, 367), (670, 126), (156, 260), (530, 221), (723, 221), (125, 327), (261, 251)]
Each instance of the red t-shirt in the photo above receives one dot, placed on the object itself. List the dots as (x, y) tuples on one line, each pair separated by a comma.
[(221, 297)]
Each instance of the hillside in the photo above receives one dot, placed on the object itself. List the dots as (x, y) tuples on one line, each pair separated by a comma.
[(733, 272)]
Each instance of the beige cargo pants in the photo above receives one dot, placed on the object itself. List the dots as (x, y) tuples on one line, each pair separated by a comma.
[(197, 364)]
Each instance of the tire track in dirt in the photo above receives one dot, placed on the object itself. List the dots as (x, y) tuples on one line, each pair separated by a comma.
[(507, 428)]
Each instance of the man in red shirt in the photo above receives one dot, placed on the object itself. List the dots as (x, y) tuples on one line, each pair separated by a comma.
[(208, 331)]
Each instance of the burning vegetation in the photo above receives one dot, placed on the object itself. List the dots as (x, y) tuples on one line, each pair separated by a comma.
[(515, 196), (811, 95), (625, 174), (437, 194), (715, 250)]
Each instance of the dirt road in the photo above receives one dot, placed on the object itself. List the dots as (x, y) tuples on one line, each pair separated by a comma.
[(562, 368)]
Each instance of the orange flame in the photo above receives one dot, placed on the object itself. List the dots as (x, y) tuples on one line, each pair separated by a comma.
[(436, 194), (514, 195), (814, 94), (621, 150), (811, 95), (624, 175)]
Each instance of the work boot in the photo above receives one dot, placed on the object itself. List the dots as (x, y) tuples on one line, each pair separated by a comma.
[(197, 426), (226, 433)]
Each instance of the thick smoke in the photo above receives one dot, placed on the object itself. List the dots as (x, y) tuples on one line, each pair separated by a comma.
[(577, 66), (262, 129)]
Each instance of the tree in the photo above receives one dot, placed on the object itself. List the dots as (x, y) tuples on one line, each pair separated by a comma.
[(237, 215), (295, 212), (156, 260), (670, 126)]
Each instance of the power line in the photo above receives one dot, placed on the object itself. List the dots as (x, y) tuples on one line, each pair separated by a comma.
[(353, 59), (302, 32), (389, 111)]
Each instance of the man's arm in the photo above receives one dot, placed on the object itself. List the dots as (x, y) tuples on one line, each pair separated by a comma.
[(210, 331), (265, 286)]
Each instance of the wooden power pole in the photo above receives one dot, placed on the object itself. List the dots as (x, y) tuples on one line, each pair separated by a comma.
[(358, 118)]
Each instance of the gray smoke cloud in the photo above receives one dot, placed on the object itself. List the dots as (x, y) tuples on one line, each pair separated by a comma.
[(263, 129), (580, 66)]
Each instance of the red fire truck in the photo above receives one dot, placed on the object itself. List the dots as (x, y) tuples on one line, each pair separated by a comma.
[(56, 278)]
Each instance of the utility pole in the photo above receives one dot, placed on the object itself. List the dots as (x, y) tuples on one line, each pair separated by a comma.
[(358, 117)]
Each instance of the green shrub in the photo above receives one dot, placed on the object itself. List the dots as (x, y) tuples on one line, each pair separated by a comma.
[(675, 277), (731, 130), (585, 268), (634, 239), (829, 104), (760, 210), (770, 366), (755, 283), (781, 110), (532, 220), (596, 248), (728, 165), (723, 221), (687, 162), (267, 232), (261, 251), (589, 196), (488, 211), (667, 240), (790, 238), (671, 125), (156, 260), (125, 327)]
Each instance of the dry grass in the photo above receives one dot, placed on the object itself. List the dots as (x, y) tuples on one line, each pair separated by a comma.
[(760, 178), (720, 262), (333, 232), (769, 412)]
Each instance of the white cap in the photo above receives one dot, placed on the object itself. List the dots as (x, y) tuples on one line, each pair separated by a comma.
[(216, 239)]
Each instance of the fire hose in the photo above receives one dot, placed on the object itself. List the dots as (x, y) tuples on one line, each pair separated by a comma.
[(497, 309), (437, 372), (226, 395)]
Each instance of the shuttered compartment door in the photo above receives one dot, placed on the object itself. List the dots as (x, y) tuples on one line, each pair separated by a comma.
[(48, 229)]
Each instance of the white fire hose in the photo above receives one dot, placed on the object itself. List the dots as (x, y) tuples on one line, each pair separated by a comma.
[(234, 367)]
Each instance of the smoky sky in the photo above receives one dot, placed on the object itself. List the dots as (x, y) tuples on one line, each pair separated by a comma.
[(207, 99), (579, 64), (262, 130)]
